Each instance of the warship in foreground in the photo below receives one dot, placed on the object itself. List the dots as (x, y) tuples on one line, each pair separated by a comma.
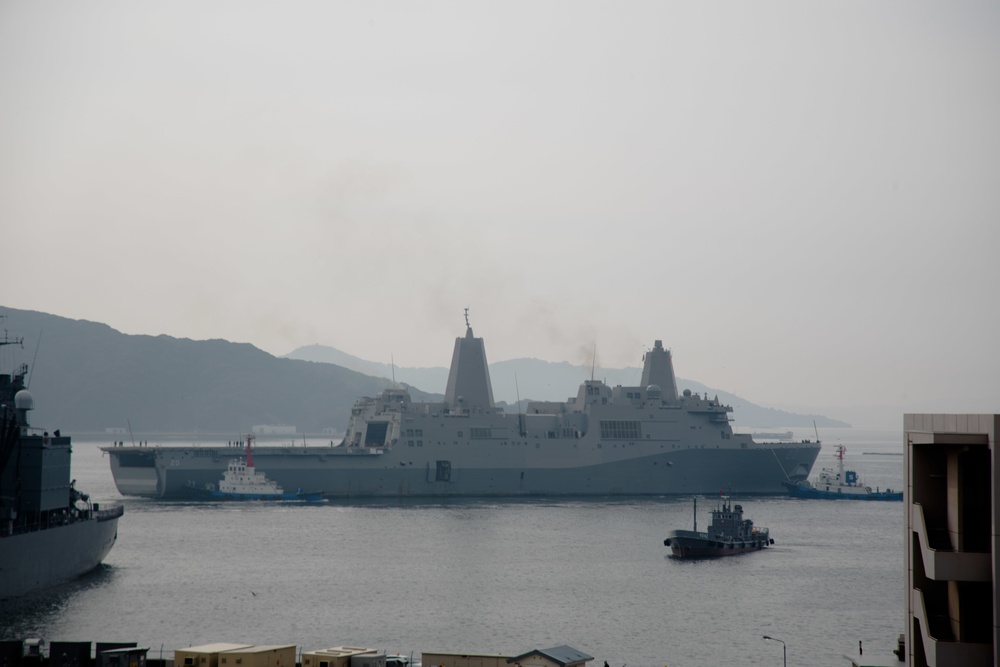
[(642, 440), (49, 532)]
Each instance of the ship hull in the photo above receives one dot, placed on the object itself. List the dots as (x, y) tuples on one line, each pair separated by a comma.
[(39, 559), (689, 544), (800, 490), (304, 497), (553, 467), (265, 497)]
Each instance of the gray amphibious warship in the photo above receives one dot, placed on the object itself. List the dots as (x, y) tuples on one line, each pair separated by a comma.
[(644, 440)]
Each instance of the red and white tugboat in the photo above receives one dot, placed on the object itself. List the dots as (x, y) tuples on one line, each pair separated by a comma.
[(242, 481), (730, 534)]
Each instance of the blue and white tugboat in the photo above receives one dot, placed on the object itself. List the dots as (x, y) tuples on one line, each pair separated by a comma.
[(730, 534), (242, 481), (839, 484)]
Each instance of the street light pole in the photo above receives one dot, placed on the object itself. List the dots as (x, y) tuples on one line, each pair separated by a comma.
[(784, 653)]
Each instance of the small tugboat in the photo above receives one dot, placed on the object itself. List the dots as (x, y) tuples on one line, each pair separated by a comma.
[(730, 534), (839, 484), (242, 481)]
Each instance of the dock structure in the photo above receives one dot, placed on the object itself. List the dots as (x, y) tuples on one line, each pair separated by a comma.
[(32, 653)]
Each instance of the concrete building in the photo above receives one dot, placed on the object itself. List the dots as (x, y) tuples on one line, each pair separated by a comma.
[(446, 659), (952, 540), (206, 655), (282, 655), (273, 429), (340, 656), (557, 656), (131, 656)]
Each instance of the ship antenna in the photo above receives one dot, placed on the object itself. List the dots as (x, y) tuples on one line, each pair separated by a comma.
[(392, 362), (38, 344), (816, 430), (7, 340), (593, 363), (520, 420), (130, 431), (467, 325)]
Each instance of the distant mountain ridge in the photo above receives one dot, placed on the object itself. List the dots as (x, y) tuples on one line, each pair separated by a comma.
[(535, 379), (87, 377)]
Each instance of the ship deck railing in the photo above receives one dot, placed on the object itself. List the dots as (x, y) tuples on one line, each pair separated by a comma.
[(11, 528)]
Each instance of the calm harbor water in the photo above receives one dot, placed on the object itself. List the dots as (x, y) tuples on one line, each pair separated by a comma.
[(492, 576)]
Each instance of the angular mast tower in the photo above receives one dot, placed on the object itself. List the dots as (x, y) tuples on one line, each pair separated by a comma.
[(658, 369), (469, 378)]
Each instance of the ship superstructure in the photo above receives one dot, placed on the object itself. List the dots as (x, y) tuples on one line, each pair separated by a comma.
[(640, 440), (242, 477), (49, 531)]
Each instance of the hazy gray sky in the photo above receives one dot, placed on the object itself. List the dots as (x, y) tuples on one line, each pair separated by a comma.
[(800, 198)]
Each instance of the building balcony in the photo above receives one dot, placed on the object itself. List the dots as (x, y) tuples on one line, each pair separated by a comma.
[(940, 647), (941, 561)]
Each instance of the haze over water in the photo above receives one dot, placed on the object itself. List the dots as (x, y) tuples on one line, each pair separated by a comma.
[(799, 198), (492, 576)]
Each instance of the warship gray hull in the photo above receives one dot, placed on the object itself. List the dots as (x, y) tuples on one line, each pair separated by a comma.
[(39, 559), (49, 532), (171, 471), (644, 440)]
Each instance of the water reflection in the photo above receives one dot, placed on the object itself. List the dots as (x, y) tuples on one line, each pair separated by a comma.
[(38, 614)]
